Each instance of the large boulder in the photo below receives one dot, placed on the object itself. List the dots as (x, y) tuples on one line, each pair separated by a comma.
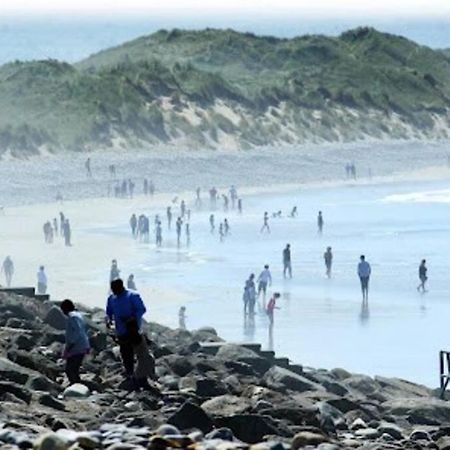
[(190, 416), (234, 352), (420, 411), (277, 376), (395, 387), (55, 318), (210, 387)]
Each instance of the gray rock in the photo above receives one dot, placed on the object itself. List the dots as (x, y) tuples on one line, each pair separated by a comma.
[(52, 441), (420, 411), (252, 428), (15, 389), (224, 434), (420, 435), (443, 443), (210, 387), (393, 430), (358, 424), (237, 353), (367, 433), (305, 438), (278, 376), (226, 405), (362, 383), (55, 318), (191, 416), (51, 402), (77, 390), (395, 387), (168, 430)]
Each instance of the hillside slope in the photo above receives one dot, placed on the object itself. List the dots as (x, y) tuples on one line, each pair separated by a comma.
[(220, 88)]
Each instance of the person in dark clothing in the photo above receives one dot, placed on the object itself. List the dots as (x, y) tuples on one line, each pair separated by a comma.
[(320, 223), (287, 267), (133, 225), (77, 341), (422, 276), (126, 309), (328, 258)]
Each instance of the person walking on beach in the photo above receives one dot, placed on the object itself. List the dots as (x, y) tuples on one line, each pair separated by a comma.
[(239, 206), (226, 227), (187, 230), (198, 200), (131, 283), (179, 223), (320, 222), (169, 217), (287, 266), (328, 258), (158, 233), (41, 281), (212, 226), (221, 232), (126, 309), (62, 219), (133, 225), (182, 208), (422, 276), (114, 273), (293, 213), (67, 233), (55, 226), (249, 296), (233, 196), (8, 270), (87, 165), (364, 271), (77, 341), (271, 306), (264, 280), (265, 227)]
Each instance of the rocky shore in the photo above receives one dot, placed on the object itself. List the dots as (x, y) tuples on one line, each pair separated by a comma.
[(207, 396)]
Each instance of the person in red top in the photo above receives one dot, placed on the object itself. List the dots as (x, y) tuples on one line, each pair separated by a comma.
[(271, 306)]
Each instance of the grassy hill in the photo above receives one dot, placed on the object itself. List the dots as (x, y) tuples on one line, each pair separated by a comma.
[(217, 88)]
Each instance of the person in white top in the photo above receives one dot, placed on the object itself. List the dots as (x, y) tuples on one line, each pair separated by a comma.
[(41, 281), (364, 272), (264, 279)]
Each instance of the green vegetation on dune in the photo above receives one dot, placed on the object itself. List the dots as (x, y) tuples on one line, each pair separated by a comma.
[(198, 87)]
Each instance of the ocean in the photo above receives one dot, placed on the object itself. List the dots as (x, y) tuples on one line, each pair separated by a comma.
[(321, 322)]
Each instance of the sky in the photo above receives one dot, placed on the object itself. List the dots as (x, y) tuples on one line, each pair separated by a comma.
[(71, 30), (400, 8)]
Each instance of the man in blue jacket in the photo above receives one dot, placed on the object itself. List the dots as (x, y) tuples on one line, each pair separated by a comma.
[(125, 308)]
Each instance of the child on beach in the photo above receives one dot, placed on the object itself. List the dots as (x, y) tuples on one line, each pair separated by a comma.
[(77, 341), (271, 306)]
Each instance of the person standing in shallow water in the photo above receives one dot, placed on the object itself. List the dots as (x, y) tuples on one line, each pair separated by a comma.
[(328, 258), (212, 226), (364, 272), (320, 222), (287, 266), (249, 296), (422, 276), (77, 341), (264, 280), (169, 217)]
